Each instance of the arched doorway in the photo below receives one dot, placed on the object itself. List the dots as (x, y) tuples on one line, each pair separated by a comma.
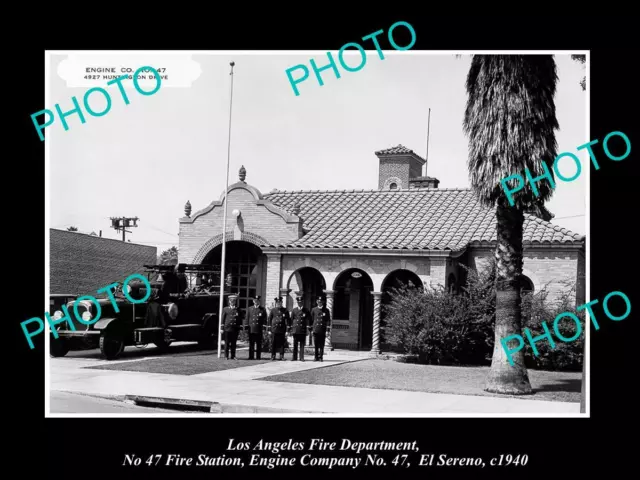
[(309, 282), (527, 291), (396, 280), (353, 309), (243, 269)]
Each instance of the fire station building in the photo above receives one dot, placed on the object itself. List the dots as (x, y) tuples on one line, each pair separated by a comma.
[(354, 245)]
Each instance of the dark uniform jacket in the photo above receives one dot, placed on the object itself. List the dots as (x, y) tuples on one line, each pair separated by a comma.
[(279, 320), (183, 283), (231, 320), (255, 319), (300, 319), (321, 320)]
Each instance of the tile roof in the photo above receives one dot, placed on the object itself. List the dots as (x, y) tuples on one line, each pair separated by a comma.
[(82, 264), (434, 219), (398, 150)]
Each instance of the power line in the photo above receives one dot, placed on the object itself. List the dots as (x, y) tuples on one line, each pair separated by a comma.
[(163, 231), (157, 243)]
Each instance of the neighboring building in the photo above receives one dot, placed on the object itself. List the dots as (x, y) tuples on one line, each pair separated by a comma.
[(80, 263), (354, 245)]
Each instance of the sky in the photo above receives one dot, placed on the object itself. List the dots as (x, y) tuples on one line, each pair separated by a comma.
[(149, 157)]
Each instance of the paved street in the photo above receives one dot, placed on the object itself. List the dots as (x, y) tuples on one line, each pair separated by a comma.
[(241, 387), (64, 402)]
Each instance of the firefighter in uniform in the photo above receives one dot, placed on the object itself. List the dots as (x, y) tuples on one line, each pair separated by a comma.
[(230, 326), (321, 319), (278, 321), (300, 318), (254, 322)]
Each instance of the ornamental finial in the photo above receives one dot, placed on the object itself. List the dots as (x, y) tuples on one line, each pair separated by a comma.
[(187, 208), (243, 173)]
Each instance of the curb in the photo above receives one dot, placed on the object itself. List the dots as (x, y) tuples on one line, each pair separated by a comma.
[(202, 406), (179, 404)]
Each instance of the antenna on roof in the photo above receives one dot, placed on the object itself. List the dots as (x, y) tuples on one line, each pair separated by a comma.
[(427, 157)]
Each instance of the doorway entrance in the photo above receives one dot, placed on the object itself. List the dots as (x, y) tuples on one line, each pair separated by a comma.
[(310, 283), (243, 269), (354, 302)]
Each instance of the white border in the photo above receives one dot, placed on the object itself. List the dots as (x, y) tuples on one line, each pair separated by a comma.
[(47, 143)]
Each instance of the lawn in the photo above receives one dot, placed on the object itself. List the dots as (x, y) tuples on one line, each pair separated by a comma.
[(390, 375), (185, 363)]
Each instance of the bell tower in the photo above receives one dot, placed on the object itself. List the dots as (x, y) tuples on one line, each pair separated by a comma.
[(398, 165)]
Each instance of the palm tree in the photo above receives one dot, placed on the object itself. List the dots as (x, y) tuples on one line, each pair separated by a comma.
[(510, 120), (72, 229)]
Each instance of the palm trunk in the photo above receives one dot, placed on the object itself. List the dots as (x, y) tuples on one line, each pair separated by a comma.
[(503, 377)]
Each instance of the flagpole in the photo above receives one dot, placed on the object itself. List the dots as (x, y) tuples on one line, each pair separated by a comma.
[(224, 223)]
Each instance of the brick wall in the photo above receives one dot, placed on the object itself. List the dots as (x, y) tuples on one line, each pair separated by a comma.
[(544, 266), (256, 219), (274, 275), (421, 183), (415, 170), (401, 167), (394, 168), (438, 272), (581, 284), (378, 268), (80, 264)]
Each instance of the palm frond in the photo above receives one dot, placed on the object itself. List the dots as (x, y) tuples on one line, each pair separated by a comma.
[(510, 120)]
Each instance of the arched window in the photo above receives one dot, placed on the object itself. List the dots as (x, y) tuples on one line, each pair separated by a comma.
[(526, 294), (526, 285), (393, 186), (451, 284)]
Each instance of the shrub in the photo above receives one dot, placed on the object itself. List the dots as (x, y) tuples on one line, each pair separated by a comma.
[(537, 309), (458, 329), (444, 328)]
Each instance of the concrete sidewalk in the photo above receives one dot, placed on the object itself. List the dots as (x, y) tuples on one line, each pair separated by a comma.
[(241, 387)]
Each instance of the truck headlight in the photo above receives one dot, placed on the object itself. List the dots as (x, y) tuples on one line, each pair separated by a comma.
[(172, 310), (57, 315), (86, 316)]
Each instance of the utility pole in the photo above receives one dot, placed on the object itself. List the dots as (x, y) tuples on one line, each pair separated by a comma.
[(122, 223)]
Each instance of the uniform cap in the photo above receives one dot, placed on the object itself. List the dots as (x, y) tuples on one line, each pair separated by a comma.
[(257, 297), (299, 297), (233, 295), (278, 299)]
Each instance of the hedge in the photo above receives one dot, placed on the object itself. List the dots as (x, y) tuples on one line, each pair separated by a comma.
[(444, 328)]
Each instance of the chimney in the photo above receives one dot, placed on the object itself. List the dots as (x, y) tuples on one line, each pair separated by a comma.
[(423, 182), (398, 165), (100, 232)]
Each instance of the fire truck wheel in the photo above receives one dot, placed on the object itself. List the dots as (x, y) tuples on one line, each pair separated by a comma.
[(58, 347), (111, 346)]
